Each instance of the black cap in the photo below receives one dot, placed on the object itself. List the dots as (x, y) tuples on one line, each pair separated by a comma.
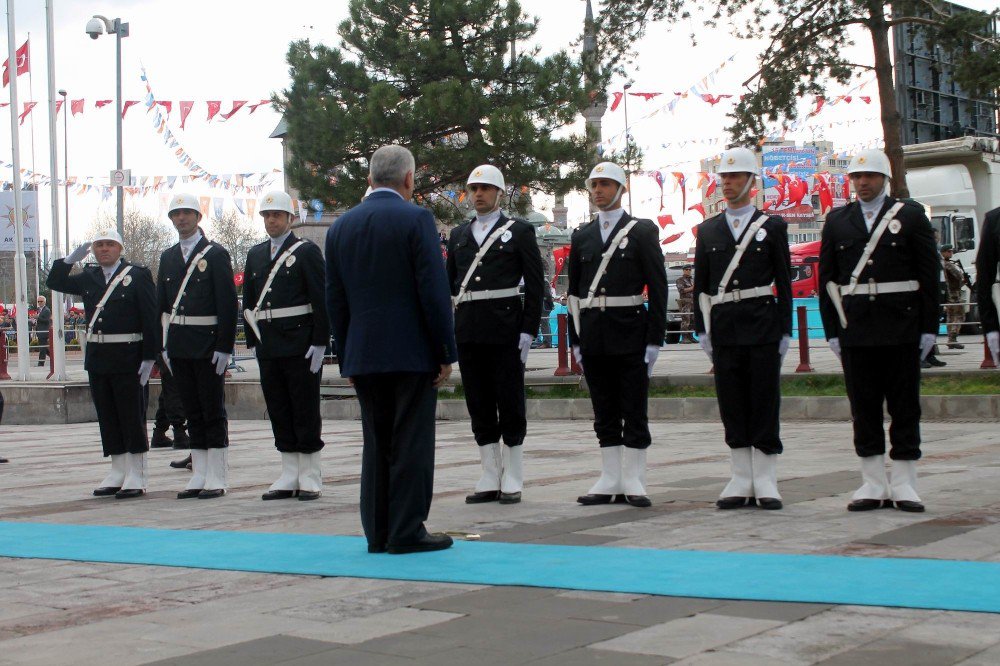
[(688, 267), (947, 247)]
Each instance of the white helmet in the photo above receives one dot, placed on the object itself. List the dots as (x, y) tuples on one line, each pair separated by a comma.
[(608, 170), (871, 160), (738, 160), (276, 200), (184, 201), (109, 235), (486, 174)]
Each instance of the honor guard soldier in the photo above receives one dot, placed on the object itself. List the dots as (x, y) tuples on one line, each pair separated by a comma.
[(487, 258), (878, 274), (612, 261), (743, 285), (198, 306), (121, 342), (287, 327), (988, 282)]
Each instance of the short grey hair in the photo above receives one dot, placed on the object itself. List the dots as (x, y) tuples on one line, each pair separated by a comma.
[(389, 166)]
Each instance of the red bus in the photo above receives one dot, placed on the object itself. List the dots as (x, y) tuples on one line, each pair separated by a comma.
[(805, 269)]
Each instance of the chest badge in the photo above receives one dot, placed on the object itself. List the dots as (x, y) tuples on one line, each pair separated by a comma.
[(506, 236), (623, 244), (289, 261), (894, 226), (761, 235), (203, 265), (127, 280)]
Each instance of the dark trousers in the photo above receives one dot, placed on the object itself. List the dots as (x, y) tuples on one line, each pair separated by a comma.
[(397, 462), (169, 410), (291, 393), (203, 396), (890, 374), (493, 380), (619, 392), (43, 341), (121, 412), (748, 386)]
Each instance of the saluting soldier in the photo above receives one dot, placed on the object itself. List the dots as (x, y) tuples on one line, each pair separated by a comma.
[(122, 340), (743, 284), (685, 303), (198, 304), (487, 258), (878, 273), (288, 329), (613, 260), (988, 282)]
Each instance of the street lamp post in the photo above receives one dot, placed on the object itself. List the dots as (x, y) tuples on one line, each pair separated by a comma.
[(96, 27), (628, 156), (63, 93)]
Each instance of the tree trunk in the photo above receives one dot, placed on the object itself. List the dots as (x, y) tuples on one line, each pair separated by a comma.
[(891, 124)]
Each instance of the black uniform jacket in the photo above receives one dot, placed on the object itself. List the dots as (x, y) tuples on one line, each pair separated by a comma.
[(130, 309), (501, 320), (209, 292), (301, 283), (987, 261), (909, 254), (633, 268), (751, 321)]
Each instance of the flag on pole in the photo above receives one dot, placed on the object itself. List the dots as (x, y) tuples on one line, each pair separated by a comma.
[(23, 63)]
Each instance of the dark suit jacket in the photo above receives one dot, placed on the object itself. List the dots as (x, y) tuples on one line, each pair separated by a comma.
[(387, 290), (888, 319), (43, 320), (754, 321), (130, 309), (301, 283), (499, 321), (209, 292), (987, 260), (637, 266)]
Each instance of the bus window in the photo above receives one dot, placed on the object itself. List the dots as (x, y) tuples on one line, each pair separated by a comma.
[(965, 234), (942, 229)]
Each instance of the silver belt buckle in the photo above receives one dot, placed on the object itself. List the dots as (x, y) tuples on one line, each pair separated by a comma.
[(603, 300), (268, 316), (872, 289), (736, 295)]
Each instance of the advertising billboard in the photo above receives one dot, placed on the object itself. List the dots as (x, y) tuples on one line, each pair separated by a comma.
[(29, 220), (788, 176)]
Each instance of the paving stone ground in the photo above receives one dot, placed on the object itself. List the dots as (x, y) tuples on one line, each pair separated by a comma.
[(54, 612)]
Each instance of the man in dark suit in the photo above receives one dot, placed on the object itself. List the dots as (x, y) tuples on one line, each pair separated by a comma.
[(487, 258), (878, 275), (988, 281), (612, 261), (284, 308), (197, 302), (122, 340), (43, 322), (745, 329), (390, 311)]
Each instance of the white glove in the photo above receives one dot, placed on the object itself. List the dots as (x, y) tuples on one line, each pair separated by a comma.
[(927, 341), (835, 347), (993, 342), (706, 345), (524, 344), (221, 362), (166, 361), (145, 368), (78, 254), (652, 353), (315, 355), (786, 341), (578, 356)]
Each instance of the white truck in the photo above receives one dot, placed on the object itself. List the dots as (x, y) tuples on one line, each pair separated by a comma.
[(957, 181)]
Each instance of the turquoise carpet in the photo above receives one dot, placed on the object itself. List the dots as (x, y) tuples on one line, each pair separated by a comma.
[(906, 583)]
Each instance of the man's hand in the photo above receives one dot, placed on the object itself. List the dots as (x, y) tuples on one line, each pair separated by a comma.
[(578, 356), (706, 345), (786, 340), (166, 361), (442, 376), (78, 254), (221, 362), (145, 368), (835, 347), (927, 341), (993, 342), (315, 356), (652, 353), (524, 344)]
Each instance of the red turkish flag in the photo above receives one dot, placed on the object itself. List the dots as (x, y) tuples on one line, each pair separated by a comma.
[(617, 100), (237, 105), (22, 57), (28, 106), (664, 220), (76, 106), (128, 105), (213, 108), (670, 239), (238, 279), (559, 255), (185, 110), (102, 102), (254, 107), (59, 104), (167, 106), (700, 208)]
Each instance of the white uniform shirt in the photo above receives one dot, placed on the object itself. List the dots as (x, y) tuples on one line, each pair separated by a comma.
[(187, 244), (276, 243), (608, 219), (110, 270), (482, 225), (870, 209), (739, 218)]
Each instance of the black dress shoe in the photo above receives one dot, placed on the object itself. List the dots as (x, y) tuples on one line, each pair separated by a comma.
[(159, 440), (926, 365), (429, 543), (181, 464), (868, 504), (106, 491), (956, 345), (211, 494), (279, 494), (936, 362), (129, 493), (485, 496), (188, 494), (638, 500), (769, 503), (376, 548), (510, 498), (3, 460), (594, 498), (910, 506), (307, 495), (735, 502)]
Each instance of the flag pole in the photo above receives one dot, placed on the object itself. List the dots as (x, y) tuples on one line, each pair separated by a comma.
[(58, 319), (20, 271), (34, 171)]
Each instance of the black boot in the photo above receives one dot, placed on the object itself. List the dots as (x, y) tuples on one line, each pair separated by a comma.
[(181, 464), (181, 439), (160, 439)]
